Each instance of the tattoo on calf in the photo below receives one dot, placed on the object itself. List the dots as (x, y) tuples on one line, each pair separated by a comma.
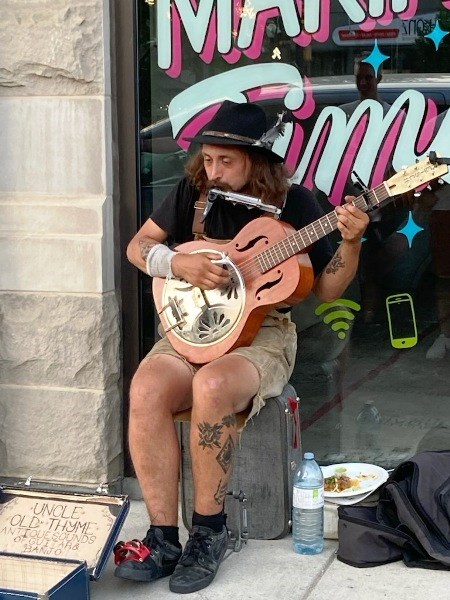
[(225, 456), (229, 420), (335, 263), (220, 494), (209, 435)]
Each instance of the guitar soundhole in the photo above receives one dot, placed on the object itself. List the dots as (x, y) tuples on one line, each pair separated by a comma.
[(268, 285), (212, 325), (231, 291), (251, 243)]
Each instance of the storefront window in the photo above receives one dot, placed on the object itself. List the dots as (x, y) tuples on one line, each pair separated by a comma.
[(372, 368)]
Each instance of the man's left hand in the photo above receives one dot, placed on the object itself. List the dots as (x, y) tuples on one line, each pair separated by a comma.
[(352, 221)]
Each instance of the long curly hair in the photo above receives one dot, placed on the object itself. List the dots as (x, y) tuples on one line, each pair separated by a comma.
[(269, 179)]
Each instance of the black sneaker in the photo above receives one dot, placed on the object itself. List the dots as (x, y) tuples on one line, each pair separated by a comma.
[(148, 560), (200, 560)]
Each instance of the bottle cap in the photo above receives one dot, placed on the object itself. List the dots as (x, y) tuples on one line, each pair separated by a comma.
[(308, 455)]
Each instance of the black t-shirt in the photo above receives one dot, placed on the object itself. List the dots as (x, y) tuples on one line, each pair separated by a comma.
[(224, 221)]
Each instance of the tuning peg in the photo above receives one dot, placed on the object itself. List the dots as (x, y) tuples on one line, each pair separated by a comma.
[(429, 187), (417, 194), (441, 181)]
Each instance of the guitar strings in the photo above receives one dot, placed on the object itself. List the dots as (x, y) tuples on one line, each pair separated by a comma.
[(284, 249)]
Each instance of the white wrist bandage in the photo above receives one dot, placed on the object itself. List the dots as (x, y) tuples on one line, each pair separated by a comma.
[(159, 260)]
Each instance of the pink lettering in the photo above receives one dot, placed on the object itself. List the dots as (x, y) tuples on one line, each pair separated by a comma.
[(233, 28), (349, 156), (426, 134), (308, 180), (386, 151), (175, 68), (257, 40)]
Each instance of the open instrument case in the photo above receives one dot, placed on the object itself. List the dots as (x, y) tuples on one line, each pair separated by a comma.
[(53, 542)]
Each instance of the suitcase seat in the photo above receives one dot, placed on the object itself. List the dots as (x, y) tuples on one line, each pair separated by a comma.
[(266, 459), (185, 416)]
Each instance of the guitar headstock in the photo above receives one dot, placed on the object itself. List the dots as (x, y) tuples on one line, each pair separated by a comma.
[(417, 175)]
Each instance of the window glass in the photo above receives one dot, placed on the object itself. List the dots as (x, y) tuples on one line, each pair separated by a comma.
[(367, 93)]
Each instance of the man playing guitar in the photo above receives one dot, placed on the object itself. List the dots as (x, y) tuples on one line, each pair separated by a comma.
[(236, 155)]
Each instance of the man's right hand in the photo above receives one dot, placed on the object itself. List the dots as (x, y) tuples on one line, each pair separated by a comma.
[(199, 270)]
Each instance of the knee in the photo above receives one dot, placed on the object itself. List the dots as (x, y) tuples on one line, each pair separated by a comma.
[(210, 390), (142, 397)]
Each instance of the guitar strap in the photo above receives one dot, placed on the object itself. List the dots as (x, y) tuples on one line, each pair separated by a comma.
[(198, 227)]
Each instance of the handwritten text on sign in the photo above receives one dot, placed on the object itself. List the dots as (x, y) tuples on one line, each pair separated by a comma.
[(55, 528)]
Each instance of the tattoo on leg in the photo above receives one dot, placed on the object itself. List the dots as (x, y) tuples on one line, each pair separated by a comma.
[(225, 456), (220, 494), (157, 515), (335, 263), (229, 420), (209, 434)]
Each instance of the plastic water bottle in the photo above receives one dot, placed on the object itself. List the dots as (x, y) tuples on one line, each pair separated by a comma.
[(308, 501), (368, 433)]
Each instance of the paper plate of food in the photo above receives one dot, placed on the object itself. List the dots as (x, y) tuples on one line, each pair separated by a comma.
[(352, 479)]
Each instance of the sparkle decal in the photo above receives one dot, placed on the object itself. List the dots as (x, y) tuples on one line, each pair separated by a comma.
[(437, 35), (410, 230), (276, 54), (376, 58)]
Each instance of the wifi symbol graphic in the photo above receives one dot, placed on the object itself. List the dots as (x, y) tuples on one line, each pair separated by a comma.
[(338, 315)]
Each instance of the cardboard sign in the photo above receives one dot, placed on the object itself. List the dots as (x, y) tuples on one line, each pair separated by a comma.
[(51, 525)]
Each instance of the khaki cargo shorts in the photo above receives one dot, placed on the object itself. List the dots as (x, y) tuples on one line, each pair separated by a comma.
[(272, 352)]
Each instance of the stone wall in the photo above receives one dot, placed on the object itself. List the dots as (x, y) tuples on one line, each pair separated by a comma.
[(60, 405)]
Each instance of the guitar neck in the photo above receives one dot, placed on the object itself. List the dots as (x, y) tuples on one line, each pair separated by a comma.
[(303, 238)]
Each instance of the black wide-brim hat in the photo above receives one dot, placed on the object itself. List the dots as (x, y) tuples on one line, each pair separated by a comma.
[(241, 125)]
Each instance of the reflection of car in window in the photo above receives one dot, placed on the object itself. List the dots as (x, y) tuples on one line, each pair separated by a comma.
[(162, 159), (162, 165)]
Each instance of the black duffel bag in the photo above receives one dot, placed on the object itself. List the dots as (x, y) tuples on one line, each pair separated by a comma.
[(411, 520)]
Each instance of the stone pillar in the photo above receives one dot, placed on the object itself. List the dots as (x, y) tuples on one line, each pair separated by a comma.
[(60, 404)]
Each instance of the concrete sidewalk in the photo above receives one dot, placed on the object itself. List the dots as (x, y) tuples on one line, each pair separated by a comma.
[(272, 570)]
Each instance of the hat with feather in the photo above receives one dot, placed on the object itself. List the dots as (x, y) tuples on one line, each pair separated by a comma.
[(242, 125)]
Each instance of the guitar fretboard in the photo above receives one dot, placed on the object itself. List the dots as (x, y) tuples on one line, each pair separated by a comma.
[(301, 239)]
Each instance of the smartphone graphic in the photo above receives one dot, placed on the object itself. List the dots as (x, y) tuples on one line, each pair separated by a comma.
[(402, 320)]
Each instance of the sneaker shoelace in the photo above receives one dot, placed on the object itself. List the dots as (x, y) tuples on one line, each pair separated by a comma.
[(197, 544)]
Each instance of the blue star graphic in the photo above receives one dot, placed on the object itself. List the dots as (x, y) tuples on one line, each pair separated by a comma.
[(410, 230), (376, 58), (437, 35)]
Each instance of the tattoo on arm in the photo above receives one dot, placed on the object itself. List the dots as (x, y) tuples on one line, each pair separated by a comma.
[(220, 494), (225, 456), (145, 246), (209, 435), (335, 263)]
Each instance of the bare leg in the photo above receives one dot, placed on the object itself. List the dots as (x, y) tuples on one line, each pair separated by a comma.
[(161, 387), (220, 389)]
